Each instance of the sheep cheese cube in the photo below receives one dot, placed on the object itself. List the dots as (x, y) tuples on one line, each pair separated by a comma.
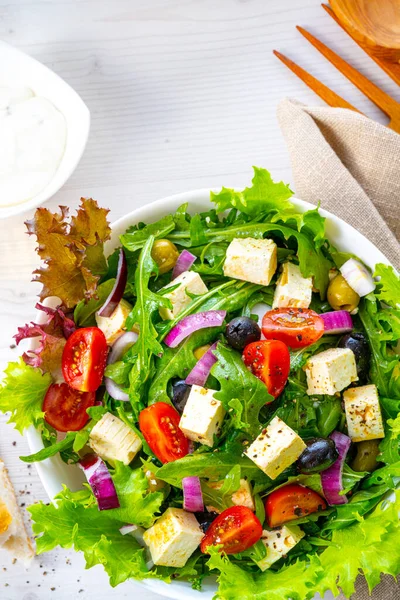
[(173, 538), (250, 259), (113, 440), (187, 281), (276, 448), (113, 326), (202, 416), (363, 413), (292, 289), (242, 497), (330, 371), (278, 543)]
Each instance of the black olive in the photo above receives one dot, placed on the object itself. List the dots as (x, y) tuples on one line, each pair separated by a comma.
[(358, 343), (180, 393), (242, 331), (205, 519), (320, 454)]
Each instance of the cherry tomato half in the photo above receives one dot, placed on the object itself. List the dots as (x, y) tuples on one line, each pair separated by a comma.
[(65, 408), (84, 359), (237, 528), (296, 327), (269, 360), (292, 502), (159, 424)]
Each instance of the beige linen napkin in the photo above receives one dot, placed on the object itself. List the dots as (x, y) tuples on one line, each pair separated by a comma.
[(352, 166)]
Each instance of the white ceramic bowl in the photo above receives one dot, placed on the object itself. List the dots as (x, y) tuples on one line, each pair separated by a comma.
[(53, 472), (19, 69)]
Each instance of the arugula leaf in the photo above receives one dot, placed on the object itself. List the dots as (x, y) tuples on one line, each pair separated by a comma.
[(390, 445), (84, 313), (220, 497), (388, 288), (238, 384), (135, 238), (263, 196), (22, 393), (72, 251), (52, 450), (298, 358)]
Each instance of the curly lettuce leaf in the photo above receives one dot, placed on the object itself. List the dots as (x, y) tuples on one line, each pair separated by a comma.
[(388, 287), (263, 196), (22, 392), (71, 250)]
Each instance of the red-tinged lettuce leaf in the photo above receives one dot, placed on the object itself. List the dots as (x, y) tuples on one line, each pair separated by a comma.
[(52, 336), (71, 250)]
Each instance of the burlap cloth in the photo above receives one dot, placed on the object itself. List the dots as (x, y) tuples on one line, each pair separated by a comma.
[(352, 166)]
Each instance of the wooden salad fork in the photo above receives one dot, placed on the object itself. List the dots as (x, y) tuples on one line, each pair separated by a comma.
[(385, 102)]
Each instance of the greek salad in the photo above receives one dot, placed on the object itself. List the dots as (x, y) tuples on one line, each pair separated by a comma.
[(229, 384)]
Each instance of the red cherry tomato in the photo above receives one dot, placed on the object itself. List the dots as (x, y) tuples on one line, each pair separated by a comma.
[(292, 502), (159, 424), (269, 360), (65, 408), (237, 528), (84, 359), (296, 327)]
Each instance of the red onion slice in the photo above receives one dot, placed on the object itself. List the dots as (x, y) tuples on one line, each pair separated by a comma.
[(100, 481), (337, 321), (200, 372), (192, 494), (125, 341), (192, 323), (115, 391), (358, 277), (332, 478), (117, 292), (184, 262)]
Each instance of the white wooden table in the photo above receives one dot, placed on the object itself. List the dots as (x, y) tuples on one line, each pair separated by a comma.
[(183, 95)]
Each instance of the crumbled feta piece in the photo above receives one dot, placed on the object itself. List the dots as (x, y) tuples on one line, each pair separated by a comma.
[(187, 281), (242, 497), (113, 326), (202, 416), (292, 289), (330, 371), (250, 259), (113, 440), (278, 542), (363, 413), (276, 448), (173, 538)]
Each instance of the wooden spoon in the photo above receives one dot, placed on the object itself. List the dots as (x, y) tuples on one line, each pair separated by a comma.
[(373, 23)]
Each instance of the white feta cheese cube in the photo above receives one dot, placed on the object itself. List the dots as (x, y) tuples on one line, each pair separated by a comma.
[(278, 543), (202, 416), (292, 289), (242, 497), (363, 413), (189, 281), (173, 538), (330, 371), (250, 259), (113, 326), (276, 448), (113, 440)]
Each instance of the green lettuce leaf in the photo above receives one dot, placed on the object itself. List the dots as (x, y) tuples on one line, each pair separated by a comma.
[(22, 393), (135, 238), (388, 288), (84, 313)]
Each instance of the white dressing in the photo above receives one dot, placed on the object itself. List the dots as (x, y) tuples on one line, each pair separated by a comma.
[(33, 136)]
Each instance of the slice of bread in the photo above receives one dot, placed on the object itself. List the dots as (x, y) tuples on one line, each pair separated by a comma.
[(13, 535)]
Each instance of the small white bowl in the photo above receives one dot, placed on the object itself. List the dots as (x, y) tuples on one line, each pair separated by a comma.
[(19, 69), (53, 472)]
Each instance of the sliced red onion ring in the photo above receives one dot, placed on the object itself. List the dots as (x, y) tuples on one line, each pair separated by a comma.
[(358, 277), (125, 341), (184, 262), (192, 494), (200, 372), (100, 481), (192, 323), (331, 479), (118, 290), (337, 321), (115, 391)]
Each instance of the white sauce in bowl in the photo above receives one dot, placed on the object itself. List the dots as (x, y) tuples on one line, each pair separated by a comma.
[(33, 136)]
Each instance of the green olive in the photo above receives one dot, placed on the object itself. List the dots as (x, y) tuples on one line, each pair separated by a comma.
[(341, 296), (201, 350), (365, 459), (155, 485), (165, 254)]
